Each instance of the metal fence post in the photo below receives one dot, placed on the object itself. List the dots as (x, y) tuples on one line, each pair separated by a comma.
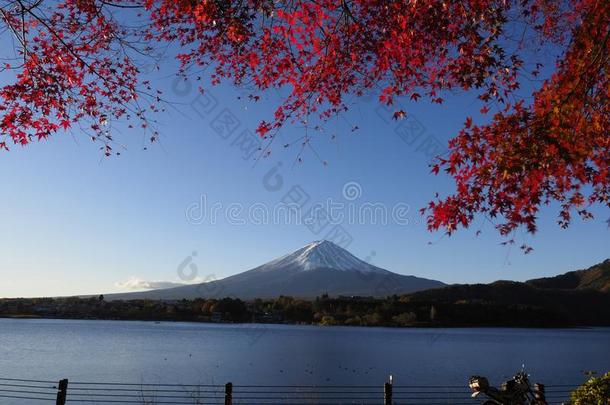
[(387, 392), (228, 394), (62, 392)]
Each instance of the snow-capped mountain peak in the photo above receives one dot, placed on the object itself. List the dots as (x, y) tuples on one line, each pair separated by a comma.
[(321, 254), (318, 268)]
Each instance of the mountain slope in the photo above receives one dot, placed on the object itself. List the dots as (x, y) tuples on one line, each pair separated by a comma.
[(594, 278), (508, 303), (576, 298), (318, 268)]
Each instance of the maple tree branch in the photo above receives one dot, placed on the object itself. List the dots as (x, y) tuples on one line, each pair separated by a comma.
[(126, 6), (14, 31)]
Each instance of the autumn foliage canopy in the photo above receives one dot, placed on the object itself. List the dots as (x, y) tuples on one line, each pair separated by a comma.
[(540, 137)]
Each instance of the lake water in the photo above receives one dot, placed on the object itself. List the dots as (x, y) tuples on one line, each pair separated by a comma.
[(250, 354)]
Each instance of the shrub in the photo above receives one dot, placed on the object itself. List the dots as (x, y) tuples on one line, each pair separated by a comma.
[(596, 391), (328, 320)]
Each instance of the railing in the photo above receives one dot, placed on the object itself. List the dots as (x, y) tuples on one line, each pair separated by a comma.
[(64, 392)]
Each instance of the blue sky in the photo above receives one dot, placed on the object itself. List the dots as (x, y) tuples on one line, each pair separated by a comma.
[(76, 223)]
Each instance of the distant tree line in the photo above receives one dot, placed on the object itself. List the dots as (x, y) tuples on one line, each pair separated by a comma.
[(499, 305)]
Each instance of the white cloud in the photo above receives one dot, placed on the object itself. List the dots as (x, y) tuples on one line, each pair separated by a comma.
[(135, 283)]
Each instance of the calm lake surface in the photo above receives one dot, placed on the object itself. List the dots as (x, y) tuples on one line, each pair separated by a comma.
[(190, 353)]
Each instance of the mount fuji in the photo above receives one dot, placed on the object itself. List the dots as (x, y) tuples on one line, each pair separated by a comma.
[(318, 268)]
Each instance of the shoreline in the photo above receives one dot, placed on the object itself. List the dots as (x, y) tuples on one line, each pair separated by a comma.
[(437, 326)]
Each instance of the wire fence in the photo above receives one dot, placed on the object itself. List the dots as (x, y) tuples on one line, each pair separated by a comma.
[(13, 390)]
